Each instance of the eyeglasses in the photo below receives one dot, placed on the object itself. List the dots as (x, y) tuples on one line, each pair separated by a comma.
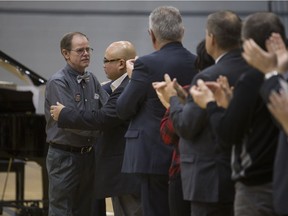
[(105, 61), (81, 51)]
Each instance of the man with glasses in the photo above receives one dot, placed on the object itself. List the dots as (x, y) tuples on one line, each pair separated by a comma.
[(114, 67), (70, 159), (110, 181)]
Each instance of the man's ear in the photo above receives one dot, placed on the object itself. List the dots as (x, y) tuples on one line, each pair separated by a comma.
[(152, 36), (213, 39), (65, 53), (122, 63)]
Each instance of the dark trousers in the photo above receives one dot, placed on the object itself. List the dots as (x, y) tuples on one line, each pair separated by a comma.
[(177, 205), (253, 200), (100, 207), (127, 205), (154, 195), (211, 209), (70, 182)]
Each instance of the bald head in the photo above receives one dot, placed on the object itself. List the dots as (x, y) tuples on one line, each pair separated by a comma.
[(122, 50), (115, 57)]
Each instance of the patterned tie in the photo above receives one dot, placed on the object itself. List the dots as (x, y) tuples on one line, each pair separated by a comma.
[(84, 77)]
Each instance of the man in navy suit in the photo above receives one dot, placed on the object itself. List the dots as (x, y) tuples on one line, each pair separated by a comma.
[(205, 160), (145, 154), (109, 182)]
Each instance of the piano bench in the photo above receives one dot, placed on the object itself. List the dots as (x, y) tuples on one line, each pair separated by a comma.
[(17, 166)]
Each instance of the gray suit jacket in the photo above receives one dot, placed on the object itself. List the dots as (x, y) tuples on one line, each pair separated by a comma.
[(205, 162)]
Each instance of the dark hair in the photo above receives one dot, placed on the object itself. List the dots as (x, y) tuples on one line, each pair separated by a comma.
[(67, 39), (226, 28), (259, 27), (203, 59)]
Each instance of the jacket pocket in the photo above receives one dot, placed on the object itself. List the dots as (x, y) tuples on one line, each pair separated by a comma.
[(185, 158), (132, 134)]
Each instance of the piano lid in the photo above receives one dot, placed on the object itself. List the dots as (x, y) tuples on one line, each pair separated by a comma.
[(20, 70)]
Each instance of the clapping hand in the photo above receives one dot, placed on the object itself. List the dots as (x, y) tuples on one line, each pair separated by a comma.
[(201, 94), (166, 89), (222, 91), (275, 59)]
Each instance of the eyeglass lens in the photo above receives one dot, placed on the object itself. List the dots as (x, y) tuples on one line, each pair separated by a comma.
[(111, 60), (81, 51)]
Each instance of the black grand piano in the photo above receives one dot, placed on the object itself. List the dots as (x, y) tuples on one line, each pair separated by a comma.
[(22, 136)]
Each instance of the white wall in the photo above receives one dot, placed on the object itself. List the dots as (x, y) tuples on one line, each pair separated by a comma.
[(31, 31)]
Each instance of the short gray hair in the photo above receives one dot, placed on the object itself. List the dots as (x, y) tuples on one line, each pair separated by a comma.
[(166, 23)]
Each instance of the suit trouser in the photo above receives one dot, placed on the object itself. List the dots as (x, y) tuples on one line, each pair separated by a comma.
[(253, 200), (154, 195), (99, 207), (127, 205), (177, 205), (211, 209)]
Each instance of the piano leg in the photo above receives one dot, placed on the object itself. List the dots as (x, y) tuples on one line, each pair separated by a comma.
[(42, 163), (19, 167)]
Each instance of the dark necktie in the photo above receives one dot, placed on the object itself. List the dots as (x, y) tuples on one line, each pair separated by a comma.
[(84, 77)]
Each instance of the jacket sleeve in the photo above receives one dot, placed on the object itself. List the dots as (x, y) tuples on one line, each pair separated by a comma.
[(232, 125), (270, 85), (188, 119), (132, 98), (101, 119)]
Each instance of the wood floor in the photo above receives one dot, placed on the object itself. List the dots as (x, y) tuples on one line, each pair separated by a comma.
[(33, 187)]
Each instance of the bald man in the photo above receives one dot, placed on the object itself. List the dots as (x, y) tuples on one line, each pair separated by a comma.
[(109, 181), (113, 62)]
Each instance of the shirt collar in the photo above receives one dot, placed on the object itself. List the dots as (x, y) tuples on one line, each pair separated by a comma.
[(115, 84), (218, 59), (72, 70)]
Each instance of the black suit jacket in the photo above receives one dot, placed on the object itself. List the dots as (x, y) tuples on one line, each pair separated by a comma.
[(107, 87), (109, 180), (280, 174), (145, 151), (205, 164)]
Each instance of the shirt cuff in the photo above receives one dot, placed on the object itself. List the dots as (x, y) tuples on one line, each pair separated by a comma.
[(270, 74)]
